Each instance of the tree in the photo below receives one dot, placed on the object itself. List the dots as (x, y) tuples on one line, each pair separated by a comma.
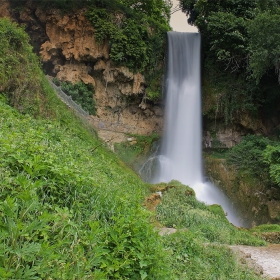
[(228, 39), (222, 23), (199, 10), (241, 42), (264, 44)]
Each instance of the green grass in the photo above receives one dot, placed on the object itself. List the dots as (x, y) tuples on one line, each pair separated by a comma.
[(208, 223), (199, 248), (266, 228), (193, 260), (70, 209)]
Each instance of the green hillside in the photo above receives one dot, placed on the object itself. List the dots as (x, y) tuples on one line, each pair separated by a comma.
[(70, 209)]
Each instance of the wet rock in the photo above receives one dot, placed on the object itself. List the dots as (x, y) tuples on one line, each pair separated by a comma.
[(5, 9), (249, 196), (274, 209)]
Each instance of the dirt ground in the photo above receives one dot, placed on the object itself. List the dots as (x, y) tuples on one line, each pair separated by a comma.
[(265, 260)]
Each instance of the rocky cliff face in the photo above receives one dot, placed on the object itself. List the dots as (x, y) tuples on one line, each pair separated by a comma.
[(257, 204), (69, 52), (219, 133)]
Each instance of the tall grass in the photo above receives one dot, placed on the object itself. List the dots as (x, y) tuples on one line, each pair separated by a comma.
[(70, 209), (179, 209), (199, 248), (67, 210)]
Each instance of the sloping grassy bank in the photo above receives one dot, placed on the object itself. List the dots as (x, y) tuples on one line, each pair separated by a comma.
[(69, 208), (68, 212), (199, 248)]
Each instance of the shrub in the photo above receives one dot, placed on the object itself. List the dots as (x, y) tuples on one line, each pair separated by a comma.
[(247, 156), (81, 93)]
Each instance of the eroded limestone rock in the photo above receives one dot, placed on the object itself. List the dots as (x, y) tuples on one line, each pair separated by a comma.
[(69, 51)]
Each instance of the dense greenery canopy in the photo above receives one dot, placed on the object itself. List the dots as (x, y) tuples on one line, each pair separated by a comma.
[(262, 160), (243, 37), (237, 30)]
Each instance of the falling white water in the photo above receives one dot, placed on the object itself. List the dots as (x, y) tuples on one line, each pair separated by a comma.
[(181, 152)]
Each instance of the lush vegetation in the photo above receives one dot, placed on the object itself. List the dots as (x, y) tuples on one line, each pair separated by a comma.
[(201, 231), (136, 32), (67, 210), (70, 209), (180, 209), (241, 53), (131, 152), (262, 160), (203, 261), (20, 72), (81, 93)]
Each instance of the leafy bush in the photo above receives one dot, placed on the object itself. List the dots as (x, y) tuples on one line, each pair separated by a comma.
[(271, 157), (239, 60), (81, 93), (21, 78), (132, 42), (259, 157), (248, 155), (136, 34)]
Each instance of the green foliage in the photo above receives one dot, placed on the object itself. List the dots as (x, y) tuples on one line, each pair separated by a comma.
[(181, 210), (264, 46), (70, 210), (65, 207), (136, 35), (262, 160), (153, 92), (81, 93), (266, 228), (203, 261), (130, 152), (238, 54), (269, 233), (20, 76), (227, 34), (136, 31), (253, 147), (272, 159)]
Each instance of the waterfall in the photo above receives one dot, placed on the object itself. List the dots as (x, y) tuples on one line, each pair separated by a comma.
[(181, 150)]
